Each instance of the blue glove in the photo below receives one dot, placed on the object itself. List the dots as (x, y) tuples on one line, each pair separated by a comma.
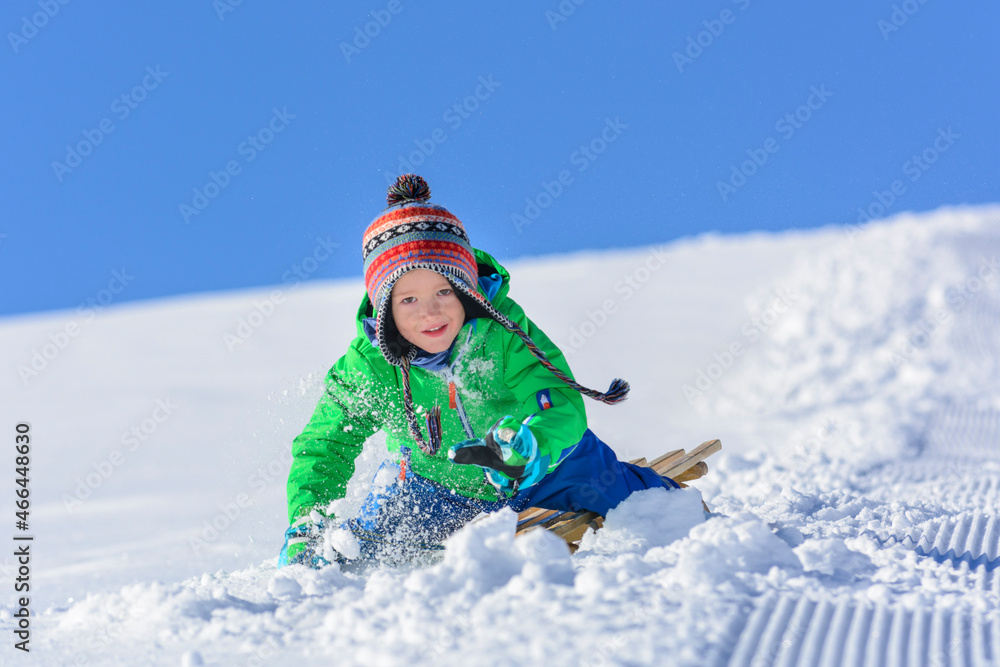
[(304, 545), (508, 454)]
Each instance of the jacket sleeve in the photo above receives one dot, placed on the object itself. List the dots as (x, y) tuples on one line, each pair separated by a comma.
[(561, 425), (323, 454)]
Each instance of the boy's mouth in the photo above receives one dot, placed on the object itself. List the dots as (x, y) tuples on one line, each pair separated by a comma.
[(436, 331)]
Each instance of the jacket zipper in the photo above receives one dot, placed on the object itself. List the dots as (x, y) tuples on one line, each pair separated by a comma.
[(454, 398)]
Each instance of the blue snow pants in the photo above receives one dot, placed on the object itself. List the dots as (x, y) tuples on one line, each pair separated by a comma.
[(416, 514)]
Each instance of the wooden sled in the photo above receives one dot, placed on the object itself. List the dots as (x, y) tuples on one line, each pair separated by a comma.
[(571, 526)]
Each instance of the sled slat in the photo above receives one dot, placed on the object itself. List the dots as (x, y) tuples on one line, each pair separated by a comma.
[(696, 471), (575, 533), (532, 515), (537, 521), (580, 521), (700, 453), (528, 513), (542, 518), (641, 461), (555, 519), (559, 521), (665, 459)]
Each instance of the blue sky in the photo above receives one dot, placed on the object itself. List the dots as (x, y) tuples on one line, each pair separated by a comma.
[(200, 146)]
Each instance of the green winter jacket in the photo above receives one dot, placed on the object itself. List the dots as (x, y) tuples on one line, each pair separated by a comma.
[(495, 375)]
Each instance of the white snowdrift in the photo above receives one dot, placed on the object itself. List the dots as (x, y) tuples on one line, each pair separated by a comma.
[(891, 319), (851, 374)]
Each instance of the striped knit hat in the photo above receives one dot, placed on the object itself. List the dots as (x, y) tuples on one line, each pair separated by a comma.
[(412, 233)]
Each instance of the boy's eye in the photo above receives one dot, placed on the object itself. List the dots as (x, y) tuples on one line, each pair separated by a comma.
[(412, 299)]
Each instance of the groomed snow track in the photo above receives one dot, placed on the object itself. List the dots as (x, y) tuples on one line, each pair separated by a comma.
[(789, 631), (973, 539), (797, 631)]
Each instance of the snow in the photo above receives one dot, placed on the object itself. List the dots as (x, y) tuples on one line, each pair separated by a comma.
[(651, 518), (851, 373)]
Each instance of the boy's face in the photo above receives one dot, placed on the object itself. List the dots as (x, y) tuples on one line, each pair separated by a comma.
[(427, 310)]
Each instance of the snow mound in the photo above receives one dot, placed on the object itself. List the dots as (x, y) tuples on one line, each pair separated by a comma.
[(732, 552), (832, 557), (484, 556), (868, 338), (647, 519)]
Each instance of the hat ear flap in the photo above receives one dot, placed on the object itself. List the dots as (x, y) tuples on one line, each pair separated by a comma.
[(387, 337), (398, 346)]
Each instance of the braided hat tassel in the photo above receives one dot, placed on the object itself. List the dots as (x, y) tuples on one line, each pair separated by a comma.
[(616, 393), (429, 448)]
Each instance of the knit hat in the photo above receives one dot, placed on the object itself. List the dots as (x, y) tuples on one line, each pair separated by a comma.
[(412, 233)]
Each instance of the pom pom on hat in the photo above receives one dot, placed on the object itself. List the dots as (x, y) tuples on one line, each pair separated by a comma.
[(407, 188)]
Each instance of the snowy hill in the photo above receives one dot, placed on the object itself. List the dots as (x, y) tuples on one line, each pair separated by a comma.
[(851, 373)]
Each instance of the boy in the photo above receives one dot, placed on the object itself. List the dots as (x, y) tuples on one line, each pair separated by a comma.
[(438, 334)]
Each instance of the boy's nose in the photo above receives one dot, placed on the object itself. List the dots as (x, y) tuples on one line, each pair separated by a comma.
[(432, 307)]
